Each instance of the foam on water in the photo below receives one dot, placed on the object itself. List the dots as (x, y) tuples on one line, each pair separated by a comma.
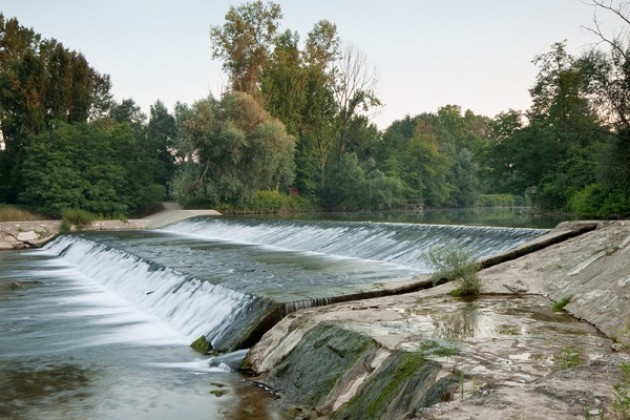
[(190, 306)]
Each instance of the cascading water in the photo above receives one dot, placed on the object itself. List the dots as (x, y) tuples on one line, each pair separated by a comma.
[(230, 279), (397, 243), (95, 324), (192, 307)]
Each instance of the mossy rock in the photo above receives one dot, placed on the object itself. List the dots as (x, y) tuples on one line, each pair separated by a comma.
[(325, 355), (201, 345), (405, 383)]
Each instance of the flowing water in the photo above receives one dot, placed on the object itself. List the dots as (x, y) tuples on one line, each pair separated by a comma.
[(97, 325)]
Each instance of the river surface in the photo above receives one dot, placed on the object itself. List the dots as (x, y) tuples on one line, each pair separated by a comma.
[(97, 325)]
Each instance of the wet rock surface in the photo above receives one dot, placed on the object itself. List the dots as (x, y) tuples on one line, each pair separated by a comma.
[(505, 354)]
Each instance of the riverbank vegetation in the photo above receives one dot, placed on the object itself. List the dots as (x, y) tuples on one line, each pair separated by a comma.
[(293, 131), (10, 213)]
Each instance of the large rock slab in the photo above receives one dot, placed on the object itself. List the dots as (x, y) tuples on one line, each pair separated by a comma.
[(505, 354), (592, 270)]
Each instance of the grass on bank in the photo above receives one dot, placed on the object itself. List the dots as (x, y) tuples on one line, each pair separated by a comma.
[(11, 213), (76, 217)]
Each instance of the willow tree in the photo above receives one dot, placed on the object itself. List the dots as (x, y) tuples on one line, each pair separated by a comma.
[(232, 149)]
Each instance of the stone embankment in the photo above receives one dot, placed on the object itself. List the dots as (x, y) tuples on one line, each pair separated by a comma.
[(507, 354), (20, 235)]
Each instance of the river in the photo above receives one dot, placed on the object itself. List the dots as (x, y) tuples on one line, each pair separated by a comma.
[(98, 325)]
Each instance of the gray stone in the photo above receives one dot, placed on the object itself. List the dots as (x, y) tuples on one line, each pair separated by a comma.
[(505, 354), (27, 236)]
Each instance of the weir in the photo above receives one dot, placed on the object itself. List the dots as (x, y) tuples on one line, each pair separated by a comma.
[(233, 279)]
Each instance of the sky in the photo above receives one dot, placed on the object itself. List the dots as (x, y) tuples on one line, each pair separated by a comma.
[(427, 53)]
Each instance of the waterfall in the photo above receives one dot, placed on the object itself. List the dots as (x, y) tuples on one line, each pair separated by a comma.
[(192, 307), (232, 279), (403, 244)]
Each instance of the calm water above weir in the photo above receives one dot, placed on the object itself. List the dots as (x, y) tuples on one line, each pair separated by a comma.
[(97, 325)]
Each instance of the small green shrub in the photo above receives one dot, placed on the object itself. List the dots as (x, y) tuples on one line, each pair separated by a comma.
[(568, 358), (500, 200), (599, 201), (621, 405), (65, 226), (458, 265), (558, 305), (77, 217), (270, 200)]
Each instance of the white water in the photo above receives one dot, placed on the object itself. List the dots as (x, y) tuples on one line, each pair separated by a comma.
[(191, 307), (396, 243)]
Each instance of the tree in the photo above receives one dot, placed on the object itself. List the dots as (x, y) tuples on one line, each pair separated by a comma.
[(354, 92), (244, 42), (352, 186), (283, 84), (161, 135), (40, 82), (233, 148), (127, 112), (99, 167), (608, 72)]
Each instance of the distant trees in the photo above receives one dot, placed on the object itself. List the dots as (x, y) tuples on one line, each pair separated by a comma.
[(40, 82), (99, 167), (573, 154), (436, 155), (297, 115)]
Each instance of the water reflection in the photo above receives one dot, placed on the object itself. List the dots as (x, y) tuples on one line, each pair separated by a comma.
[(41, 386), (460, 324)]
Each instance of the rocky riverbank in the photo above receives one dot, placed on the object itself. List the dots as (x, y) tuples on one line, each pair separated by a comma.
[(21, 235), (506, 354)]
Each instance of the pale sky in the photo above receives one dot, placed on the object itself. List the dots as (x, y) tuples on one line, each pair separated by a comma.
[(472, 53)]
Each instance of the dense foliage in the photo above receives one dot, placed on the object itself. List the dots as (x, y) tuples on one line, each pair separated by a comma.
[(297, 119), (231, 149), (97, 167)]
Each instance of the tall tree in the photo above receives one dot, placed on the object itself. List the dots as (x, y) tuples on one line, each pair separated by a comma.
[(40, 82), (354, 89), (161, 136), (245, 41), (283, 84)]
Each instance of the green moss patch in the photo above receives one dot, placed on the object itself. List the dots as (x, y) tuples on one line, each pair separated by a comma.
[(404, 384), (201, 345), (325, 355)]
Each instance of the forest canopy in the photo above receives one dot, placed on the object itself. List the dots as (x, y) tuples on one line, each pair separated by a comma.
[(296, 118)]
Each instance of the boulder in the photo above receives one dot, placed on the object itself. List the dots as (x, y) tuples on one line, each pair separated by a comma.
[(27, 236)]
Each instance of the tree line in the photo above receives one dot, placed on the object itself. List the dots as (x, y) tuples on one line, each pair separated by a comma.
[(296, 118)]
